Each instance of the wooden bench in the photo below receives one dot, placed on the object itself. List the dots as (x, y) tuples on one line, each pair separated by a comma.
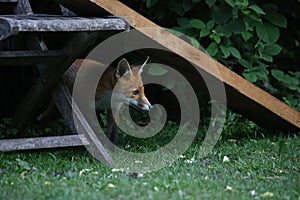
[(76, 36)]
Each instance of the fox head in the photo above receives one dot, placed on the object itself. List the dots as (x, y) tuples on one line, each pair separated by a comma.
[(130, 84)]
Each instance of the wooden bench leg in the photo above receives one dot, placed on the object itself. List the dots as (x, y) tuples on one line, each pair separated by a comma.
[(63, 101)]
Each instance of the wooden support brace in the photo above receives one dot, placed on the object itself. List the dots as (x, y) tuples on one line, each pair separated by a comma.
[(242, 96), (71, 113)]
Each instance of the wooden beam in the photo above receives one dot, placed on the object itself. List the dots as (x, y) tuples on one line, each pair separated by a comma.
[(270, 107), (25, 58), (43, 142)]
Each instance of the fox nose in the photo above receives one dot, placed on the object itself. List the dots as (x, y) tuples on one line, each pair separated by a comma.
[(145, 107)]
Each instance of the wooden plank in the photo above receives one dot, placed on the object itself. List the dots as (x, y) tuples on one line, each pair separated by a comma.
[(23, 58), (43, 142), (12, 25), (24, 7), (240, 89), (9, 1)]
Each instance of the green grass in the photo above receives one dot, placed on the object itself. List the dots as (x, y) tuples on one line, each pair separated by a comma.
[(261, 168)]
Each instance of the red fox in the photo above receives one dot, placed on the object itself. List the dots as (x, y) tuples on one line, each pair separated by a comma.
[(125, 80)]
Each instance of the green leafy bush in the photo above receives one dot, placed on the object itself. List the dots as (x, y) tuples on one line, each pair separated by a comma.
[(247, 36)]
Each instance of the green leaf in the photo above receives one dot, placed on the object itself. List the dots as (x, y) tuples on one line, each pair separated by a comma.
[(212, 49), (246, 12), (156, 70), (174, 6), (195, 42), (151, 3), (210, 24), (278, 74), (277, 19), (290, 82), (266, 57), (230, 2), (267, 32), (225, 51), (204, 32), (245, 63), (221, 14), (224, 30), (250, 76), (235, 52), (257, 9), (262, 75), (236, 26), (254, 17), (197, 23), (210, 2), (178, 31), (187, 5), (216, 38), (241, 3), (273, 49), (183, 22), (246, 35)]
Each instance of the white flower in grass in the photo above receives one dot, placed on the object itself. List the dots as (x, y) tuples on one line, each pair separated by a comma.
[(189, 161), (110, 185), (47, 183), (118, 170), (181, 156), (267, 195), (83, 171), (229, 188), (225, 159)]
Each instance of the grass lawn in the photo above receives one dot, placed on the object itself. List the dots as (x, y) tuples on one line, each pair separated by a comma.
[(261, 168)]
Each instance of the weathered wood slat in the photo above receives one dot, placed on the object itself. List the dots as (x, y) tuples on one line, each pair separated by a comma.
[(24, 7), (9, 1), (12, 25), (23, 58), (242, 96), (43, 142)]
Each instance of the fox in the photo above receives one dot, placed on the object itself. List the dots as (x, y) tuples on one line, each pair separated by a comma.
[(124, 80)]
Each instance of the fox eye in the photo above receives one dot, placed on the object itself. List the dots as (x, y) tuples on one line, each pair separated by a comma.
[(135, 92)]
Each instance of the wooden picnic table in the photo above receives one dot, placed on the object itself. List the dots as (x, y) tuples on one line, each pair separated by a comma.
[(51, 42)]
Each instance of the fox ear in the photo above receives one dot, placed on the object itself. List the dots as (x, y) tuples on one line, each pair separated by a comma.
[(123, 68), (142, 66)]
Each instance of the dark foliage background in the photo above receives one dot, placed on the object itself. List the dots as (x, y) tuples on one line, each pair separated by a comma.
[(257, 39)]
